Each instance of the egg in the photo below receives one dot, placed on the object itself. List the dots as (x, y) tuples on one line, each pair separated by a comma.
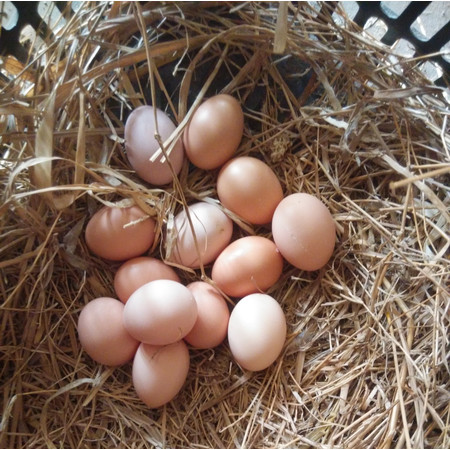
[(102, 334), (214, 132), (249, 264), (256, 331), (120, 233), (160, 312), (304, 231), (249, 187), (159, 373), (212, 229), (141, 145), (136, 272), (210, 328)]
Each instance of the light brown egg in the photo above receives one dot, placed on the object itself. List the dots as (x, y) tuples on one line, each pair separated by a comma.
[(249, 264), (136, 272), (256, 331), (249, 187), (304, 231), (140, 144), (160, 312), (212, 229), (102, 334), (210, 328), (120, 233), (159, 373), (214, 132)]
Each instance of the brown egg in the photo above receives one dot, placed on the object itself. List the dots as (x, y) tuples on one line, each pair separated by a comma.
[(136, 272), (210, 328), (140, 144), (249, 187), (303, 230), (102, 334), (159, 373), (249, 264), (120, 233), (214, 132)]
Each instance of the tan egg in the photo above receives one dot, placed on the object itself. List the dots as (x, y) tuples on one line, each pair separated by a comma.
[(141, 145), (249, 187), (210, 328), (136, 272), (102, 334), (249, 264), (212, 229), (214, 132), (304, 231), (256, 331), (159, 373), (120, 233), (160, 312)]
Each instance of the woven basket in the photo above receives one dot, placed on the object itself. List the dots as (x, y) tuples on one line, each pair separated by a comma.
[(335, 114)]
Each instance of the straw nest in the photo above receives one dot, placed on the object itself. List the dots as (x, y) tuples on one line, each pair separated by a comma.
[(334, 114)]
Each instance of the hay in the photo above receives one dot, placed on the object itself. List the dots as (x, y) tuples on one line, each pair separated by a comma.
[(334, 114)]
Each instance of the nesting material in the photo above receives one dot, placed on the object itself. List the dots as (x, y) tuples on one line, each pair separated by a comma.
[(334, 114)]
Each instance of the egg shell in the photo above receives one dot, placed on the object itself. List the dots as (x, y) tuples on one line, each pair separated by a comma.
[(256, 331), (213, 230), (159, 372), (160, 312), (249, 264), (141, 145), (249, 187), (210, 328), (304, 231), (117, 233), (102, 334), (214, 132), (136, 272)]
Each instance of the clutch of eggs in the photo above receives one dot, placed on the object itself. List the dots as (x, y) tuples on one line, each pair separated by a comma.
[(155, 318)]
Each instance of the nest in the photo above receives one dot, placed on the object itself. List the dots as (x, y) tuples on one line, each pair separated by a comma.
[(334, 114)]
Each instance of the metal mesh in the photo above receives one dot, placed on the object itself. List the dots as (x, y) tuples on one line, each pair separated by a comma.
[(401, 28)]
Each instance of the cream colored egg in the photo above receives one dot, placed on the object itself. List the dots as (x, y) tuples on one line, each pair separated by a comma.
[(212, 229), (256, 331)]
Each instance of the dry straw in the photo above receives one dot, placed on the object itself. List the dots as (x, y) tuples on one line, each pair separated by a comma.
[(335, 115)]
